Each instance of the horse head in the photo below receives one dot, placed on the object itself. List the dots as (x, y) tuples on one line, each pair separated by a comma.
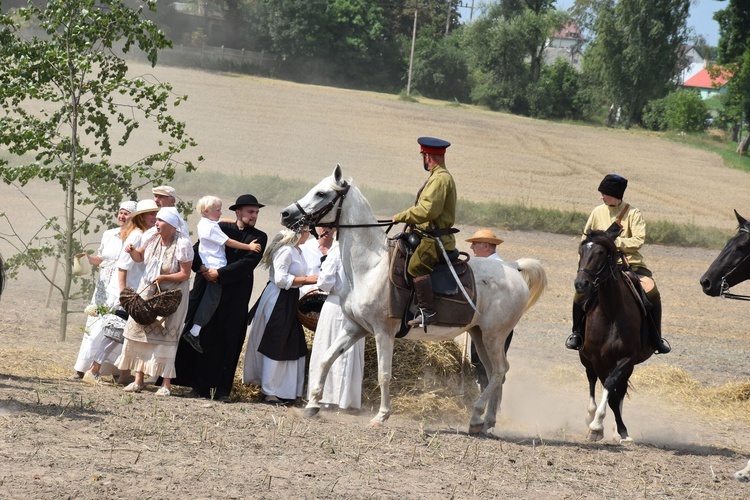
[(597, 257), (320, 206), (732, 266)]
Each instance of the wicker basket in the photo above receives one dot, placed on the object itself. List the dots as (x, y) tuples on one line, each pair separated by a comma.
[(136, 307), (165, 303), (308, 308)]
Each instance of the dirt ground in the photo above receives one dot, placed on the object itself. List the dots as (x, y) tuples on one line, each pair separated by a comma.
[(66, 439)]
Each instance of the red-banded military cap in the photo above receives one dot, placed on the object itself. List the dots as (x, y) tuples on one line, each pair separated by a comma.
[(433, 146)]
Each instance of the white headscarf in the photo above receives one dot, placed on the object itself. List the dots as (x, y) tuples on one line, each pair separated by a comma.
[(171, 216), (128, 205)]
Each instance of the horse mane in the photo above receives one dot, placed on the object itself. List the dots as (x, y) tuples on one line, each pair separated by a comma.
[(600, 238)]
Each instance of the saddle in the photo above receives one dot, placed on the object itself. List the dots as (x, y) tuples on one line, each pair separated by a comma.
[(450, 304)]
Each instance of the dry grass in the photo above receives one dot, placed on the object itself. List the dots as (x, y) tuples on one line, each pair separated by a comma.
[(728, 401), (427, 380)]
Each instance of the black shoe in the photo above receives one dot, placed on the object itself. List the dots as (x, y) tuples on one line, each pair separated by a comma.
[(194, 341), (663, 347), (574, 341), (424, 319)]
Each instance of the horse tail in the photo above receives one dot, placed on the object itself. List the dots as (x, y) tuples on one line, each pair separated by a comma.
[(535, 277)]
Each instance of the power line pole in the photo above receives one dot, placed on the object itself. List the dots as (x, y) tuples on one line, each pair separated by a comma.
[(448, 18), (413, 42)]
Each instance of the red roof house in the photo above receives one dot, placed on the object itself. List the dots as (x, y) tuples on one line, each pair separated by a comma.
[(708, 86)]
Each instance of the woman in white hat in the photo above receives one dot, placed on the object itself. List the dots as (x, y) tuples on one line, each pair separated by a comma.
[(151, 349), (105, 259)]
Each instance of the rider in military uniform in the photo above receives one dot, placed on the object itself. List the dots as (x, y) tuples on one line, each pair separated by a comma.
[(631, 234), (435, 209)]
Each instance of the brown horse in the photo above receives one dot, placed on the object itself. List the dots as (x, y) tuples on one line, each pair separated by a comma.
[(731, 267), (616, 336)]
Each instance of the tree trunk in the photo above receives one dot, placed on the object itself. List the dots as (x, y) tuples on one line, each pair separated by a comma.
[(734, 132), (742, 146)]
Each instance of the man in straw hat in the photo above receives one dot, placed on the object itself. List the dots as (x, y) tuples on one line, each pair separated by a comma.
[(484, 244), (433, 211), (211, 373), (627, 223)]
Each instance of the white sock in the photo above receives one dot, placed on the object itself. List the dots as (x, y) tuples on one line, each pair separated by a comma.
[(195, 330)]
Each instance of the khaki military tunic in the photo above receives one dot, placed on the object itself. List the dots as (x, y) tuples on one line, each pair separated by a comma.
[(435, 208)]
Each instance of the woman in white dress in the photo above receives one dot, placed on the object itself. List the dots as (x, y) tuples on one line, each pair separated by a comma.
[(276, 349), (151, 349), (343, 385), (106, 260), (105, 351)]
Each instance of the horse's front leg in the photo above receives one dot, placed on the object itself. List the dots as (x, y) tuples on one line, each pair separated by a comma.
[(348, 337), (591, 410), (596, 427), (384, 343)]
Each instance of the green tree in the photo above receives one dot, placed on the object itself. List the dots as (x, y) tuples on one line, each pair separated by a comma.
[(505, 47), (734, 56), (633, 57), (69, 108), (440, 68)]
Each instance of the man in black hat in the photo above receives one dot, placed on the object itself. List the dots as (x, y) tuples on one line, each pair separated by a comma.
[(211, 373), (434, 210), (626, 222)]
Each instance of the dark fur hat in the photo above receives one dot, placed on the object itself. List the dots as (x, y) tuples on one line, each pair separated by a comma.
[(613, 185)]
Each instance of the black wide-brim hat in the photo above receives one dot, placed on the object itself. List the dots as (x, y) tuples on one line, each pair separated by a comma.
[(244, 200)]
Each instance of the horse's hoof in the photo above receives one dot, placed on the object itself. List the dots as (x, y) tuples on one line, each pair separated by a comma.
[(310, 412), (375, 424), (595, 435), (475, 429), (625, 440)]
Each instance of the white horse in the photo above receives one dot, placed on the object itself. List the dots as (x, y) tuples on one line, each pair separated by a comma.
[(503, 294)]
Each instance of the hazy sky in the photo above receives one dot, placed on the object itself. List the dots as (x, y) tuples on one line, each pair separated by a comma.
[(701, 16)]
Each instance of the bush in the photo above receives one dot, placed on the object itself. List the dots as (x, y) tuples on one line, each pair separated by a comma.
[(558, 93), (680, 111), (686, 112), (654, 115)]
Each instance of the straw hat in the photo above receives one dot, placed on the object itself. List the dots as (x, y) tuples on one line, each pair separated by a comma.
[(145, 206), (485, 236)]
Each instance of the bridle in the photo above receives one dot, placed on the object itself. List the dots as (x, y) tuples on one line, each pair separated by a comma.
[(724, 293), (312, 219)]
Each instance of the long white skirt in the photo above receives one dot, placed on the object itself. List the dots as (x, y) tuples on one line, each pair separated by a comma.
[(343, 385), (283, 379), (96, 347)]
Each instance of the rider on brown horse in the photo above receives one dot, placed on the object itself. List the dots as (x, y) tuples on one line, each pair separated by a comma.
[(626, 221), (435, 209)]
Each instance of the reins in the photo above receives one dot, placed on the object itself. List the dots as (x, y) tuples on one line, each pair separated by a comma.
[(724, 293), (313, 219)]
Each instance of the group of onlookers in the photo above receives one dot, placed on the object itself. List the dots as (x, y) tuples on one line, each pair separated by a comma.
[(151, 252)]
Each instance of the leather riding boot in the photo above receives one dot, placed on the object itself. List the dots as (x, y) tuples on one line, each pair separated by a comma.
[(661, 345), (575, 339), (423, 290)]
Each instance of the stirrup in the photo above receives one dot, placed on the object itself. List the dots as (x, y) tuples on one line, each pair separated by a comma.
[(423, 319), (574, 341)]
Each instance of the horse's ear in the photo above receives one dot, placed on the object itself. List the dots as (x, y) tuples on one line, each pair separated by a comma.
[(740, 219), (337, 175)]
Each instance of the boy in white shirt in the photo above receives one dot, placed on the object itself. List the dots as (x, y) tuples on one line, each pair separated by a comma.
[(213, 255)]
